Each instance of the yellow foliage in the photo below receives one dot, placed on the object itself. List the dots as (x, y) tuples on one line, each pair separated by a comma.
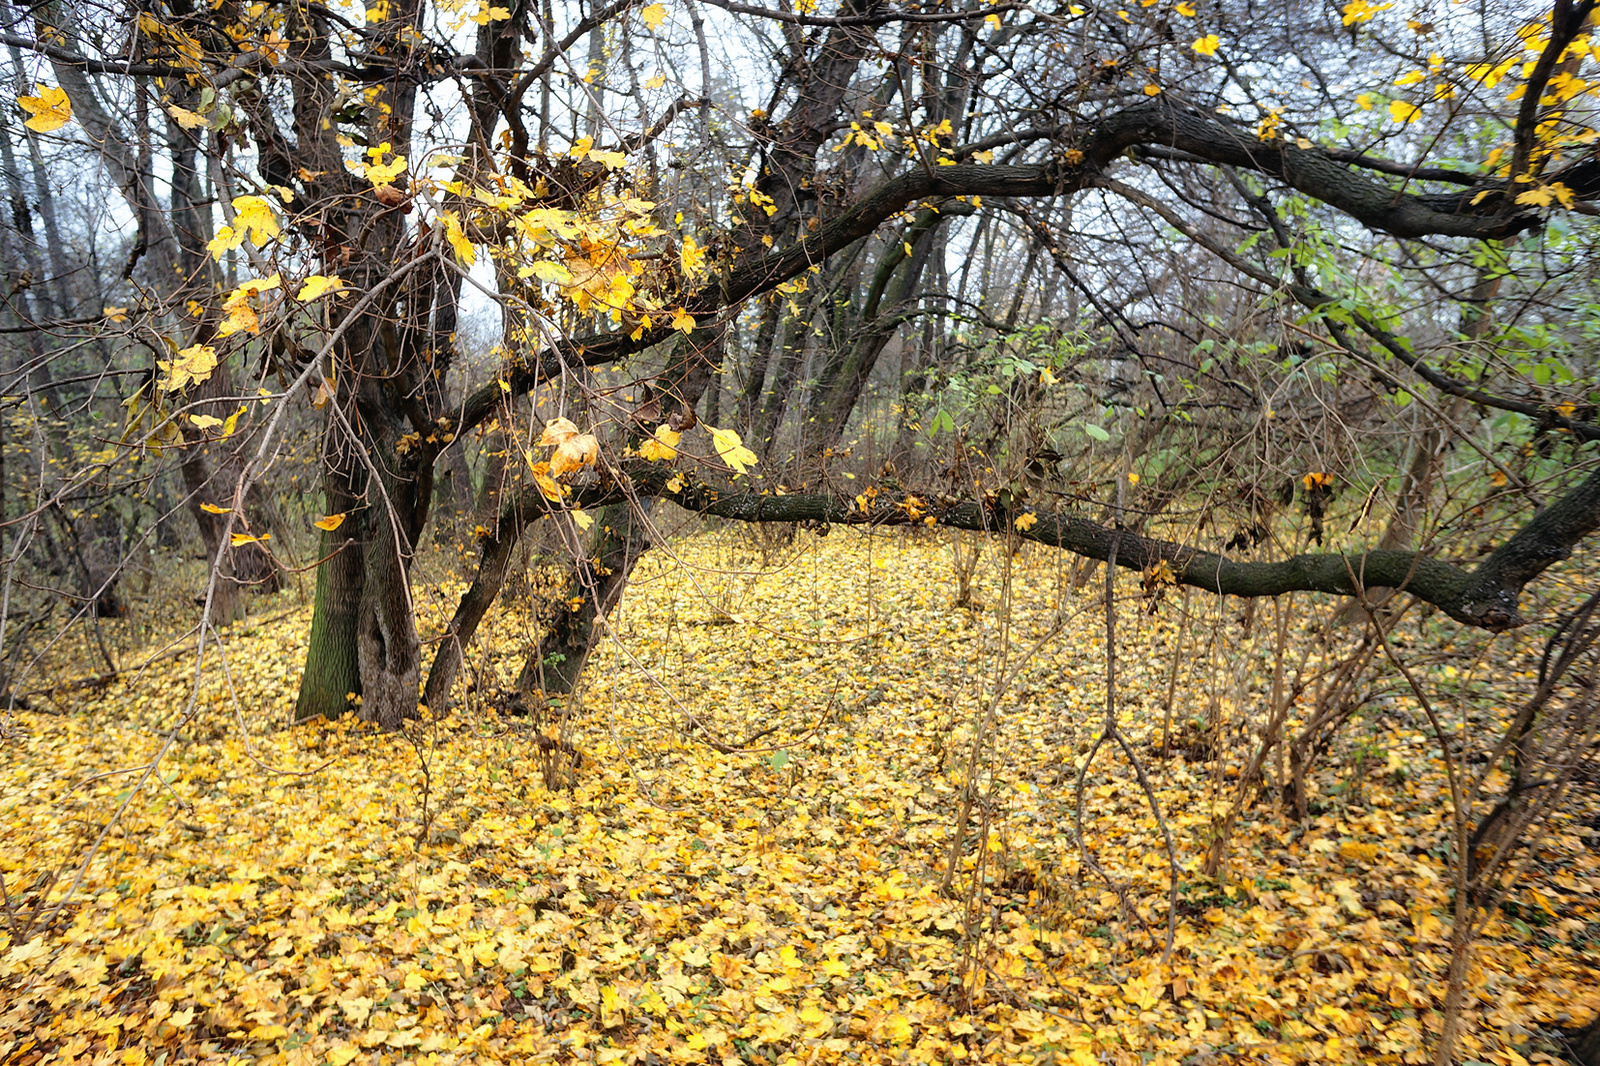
[(193, 364), (732, 450), (49, 109)]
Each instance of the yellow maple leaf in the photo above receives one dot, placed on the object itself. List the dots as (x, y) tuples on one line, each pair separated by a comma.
[(238, 539), (226, 240), (1403, 112), (241, 318), (205, 421), (211, 508), (257, 286), (547, 484), (385, 173), (692, 257), (1152, 89), (653, 15), (545, 270), (656, 82), (1207, 45), (1361, 11), (1026, 522), (189, 120), (487, 14), (330, 522), (457, 237), (732, 450), (319, 285), (240, 315), (584, 521), (193, 364), (682, 320), (1556, 190), (662, 446), (253, 213), (1186, 9), (556, 431), (49, 108)]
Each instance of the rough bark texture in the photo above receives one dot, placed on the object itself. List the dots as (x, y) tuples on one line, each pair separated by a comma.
[(332, 671), (386, 633), (558, 660), (1485, 597), (494, 561)]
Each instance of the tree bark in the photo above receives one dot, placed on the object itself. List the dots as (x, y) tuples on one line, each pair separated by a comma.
[(332, 672), (1585, 1044), (1485, 597), (493, 564), (558, 660)]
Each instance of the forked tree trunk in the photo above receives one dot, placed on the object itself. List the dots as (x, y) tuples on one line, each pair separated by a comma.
[(498, 548), (386, 632)]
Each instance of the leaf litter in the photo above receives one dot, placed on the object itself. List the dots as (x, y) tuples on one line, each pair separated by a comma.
[(729, 849)]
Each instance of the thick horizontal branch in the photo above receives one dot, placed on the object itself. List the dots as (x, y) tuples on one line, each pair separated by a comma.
[(1201, 135), (1485, 597), (1314, 171), (1410, 171)]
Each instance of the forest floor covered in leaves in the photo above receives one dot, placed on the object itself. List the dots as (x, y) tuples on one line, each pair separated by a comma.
[(466, 892)]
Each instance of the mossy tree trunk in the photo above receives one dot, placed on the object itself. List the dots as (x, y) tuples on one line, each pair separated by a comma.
[(332, 671)]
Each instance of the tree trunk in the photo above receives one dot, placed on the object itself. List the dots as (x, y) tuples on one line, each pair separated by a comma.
[(846, 375), (332, 671), (558, 661), (498, 548), (388, 650), (1584, 1044), (760, 356)]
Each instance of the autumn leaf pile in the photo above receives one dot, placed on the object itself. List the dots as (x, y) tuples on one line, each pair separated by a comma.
[(732, 847)]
